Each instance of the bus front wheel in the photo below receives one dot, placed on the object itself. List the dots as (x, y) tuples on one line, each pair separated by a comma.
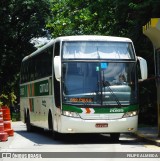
[(55, 134)]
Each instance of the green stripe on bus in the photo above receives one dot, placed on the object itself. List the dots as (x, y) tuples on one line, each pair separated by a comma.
[(41, 88), (102, 109), (23, 91)]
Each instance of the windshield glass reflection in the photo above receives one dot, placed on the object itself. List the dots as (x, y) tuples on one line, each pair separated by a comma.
[(99, 83)]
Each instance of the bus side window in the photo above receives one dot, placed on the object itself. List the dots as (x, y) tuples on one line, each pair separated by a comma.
[(32, 69), (24, 72), (43, 64), (49, 61), (56, 83), (36, 69), (27, 71)]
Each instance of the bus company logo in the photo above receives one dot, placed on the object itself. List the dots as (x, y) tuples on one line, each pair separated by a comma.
[(44, 103), (117, 110), (43, 88)]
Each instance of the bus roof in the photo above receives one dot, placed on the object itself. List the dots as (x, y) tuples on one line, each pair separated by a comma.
[(93, 38), (79, 38), (39, 50)]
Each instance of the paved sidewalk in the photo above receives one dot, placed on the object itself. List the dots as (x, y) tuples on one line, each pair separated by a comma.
[(149, 134)]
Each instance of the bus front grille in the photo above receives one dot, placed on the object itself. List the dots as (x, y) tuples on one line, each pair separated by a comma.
[(102, 116)]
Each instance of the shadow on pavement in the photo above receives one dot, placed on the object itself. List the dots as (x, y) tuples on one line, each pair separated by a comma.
[(41, 136)]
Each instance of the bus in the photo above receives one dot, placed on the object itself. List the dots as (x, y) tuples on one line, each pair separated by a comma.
[(82, 84)]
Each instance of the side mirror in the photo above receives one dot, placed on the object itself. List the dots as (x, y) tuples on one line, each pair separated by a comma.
[(143, 68), (57, 67)]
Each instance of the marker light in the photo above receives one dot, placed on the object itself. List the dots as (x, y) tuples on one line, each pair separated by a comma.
[(69, 129), (130, 129)]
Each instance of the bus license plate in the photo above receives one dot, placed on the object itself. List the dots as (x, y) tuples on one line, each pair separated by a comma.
[(101, 125)]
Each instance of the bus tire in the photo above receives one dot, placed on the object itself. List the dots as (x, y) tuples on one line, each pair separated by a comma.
[(55, 134), (115, 137), (28, 123)]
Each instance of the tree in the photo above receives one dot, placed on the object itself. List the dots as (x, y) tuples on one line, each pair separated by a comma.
[(20, 21), (71, 17), (106, 17)]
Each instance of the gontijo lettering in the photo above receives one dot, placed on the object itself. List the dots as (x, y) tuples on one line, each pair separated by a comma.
[(43, 88)]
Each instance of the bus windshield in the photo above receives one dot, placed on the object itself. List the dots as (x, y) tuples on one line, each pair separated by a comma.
[(97, 50), (97, 83)]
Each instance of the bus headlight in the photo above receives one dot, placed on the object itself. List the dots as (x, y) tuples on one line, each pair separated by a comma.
[(70, 114), (130, 114)]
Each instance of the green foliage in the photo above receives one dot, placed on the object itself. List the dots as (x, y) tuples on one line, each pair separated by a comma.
[(8, 99), (20, 21), (71, 17), (3, 98), (105, 17)]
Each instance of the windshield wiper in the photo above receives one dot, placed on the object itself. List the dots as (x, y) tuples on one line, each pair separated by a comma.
[(106, 84)]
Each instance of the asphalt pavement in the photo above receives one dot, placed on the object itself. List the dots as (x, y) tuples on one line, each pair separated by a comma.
[(149, 134)]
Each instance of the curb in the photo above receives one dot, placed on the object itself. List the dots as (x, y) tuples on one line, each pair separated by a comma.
[(150, 140)]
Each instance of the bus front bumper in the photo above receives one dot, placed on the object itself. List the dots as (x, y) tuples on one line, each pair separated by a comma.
[(78, 125)]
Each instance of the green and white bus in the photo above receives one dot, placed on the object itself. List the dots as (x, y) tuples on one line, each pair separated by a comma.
[(82, 84)]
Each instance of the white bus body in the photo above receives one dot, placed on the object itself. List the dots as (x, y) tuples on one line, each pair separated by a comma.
[(74, 85)]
